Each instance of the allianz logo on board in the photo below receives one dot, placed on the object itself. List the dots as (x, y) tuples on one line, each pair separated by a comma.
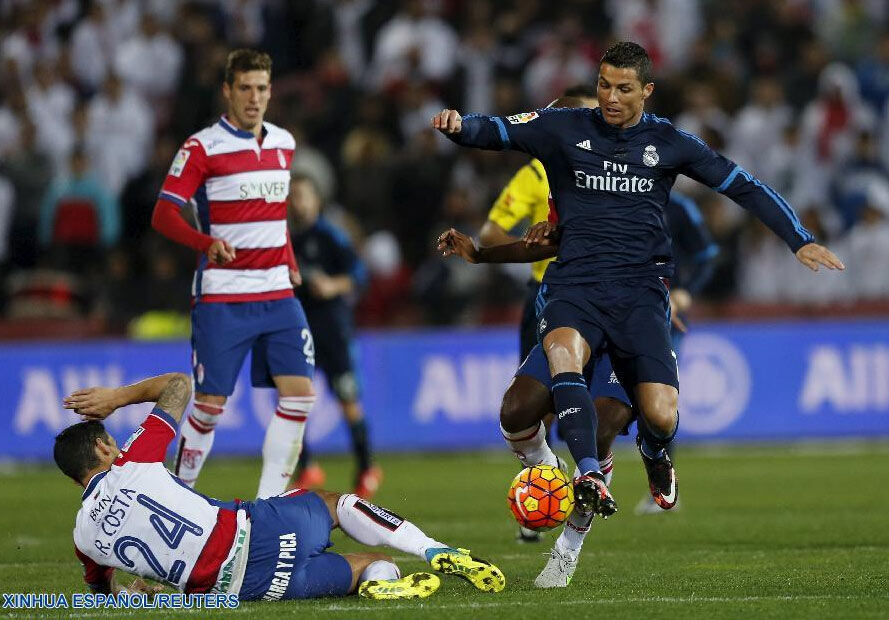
[(462, 388)]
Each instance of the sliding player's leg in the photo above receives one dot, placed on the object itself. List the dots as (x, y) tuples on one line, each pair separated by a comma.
[(375, 526)]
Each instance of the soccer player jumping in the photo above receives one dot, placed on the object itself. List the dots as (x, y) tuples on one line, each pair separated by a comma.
[(610, 172), (139, 518)]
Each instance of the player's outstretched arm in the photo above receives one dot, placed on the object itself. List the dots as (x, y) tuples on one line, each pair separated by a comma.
[(812, 255), (171, 391), (454, 243)]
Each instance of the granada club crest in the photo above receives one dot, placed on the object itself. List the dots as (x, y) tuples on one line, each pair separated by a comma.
[(281, 159), (650, 157)]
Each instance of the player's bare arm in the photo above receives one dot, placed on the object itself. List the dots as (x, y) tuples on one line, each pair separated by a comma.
[(812, 255), (454, 243), (448, 122), (171, 392), (493, 234)]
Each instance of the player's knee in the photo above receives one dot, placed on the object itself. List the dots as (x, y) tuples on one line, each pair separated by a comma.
[(661, 417), (520, 407), (565, 350)]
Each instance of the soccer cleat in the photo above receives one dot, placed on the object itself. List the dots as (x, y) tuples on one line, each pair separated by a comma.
[(480, 573), (368, 482), (417, 585), (526, 535), (662, 480), (558, 571), (591, 495), (312, 477)]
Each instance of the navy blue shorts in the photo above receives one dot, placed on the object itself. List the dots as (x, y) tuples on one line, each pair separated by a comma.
[(335, 353), (276, 332), (288, 557), (602, 383), (630, 317)]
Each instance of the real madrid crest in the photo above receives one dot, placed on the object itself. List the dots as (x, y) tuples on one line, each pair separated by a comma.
[(650, 157), (283, 161)]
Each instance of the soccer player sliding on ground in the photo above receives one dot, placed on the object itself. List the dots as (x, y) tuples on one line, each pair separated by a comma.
[(610, 172), (138, 517)]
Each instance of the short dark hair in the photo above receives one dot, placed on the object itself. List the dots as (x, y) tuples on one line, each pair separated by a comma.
[(584, 91), (241, 60), (629, 55), (74, 450)]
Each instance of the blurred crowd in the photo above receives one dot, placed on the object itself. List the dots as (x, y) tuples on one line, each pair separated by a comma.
[(96, 96)]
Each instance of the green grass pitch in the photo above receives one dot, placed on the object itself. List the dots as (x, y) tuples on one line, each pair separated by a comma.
[(778, 531)]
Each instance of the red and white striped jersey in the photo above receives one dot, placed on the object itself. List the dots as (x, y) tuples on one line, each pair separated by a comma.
[(238, 187), (139, 518)]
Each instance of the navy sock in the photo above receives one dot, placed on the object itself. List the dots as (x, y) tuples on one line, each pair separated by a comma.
[(576, 416), (360, 445), (653, 444)]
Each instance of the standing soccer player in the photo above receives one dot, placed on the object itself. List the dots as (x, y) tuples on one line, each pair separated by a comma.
[(610, 172), (332, 276), (236, 174)]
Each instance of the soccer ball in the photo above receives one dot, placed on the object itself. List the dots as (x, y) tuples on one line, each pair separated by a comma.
[(541, 497)]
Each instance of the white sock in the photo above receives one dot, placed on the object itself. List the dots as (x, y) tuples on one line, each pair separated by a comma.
[(530, 446), (283, 443), (570, 541), (381, 569), (196, 440), (374, 526)]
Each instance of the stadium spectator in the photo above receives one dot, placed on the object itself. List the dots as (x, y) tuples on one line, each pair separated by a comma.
[(150, 61), (79, 213), (413, 44), (30, 172), (861, 181), (92, 46), (121, 130)]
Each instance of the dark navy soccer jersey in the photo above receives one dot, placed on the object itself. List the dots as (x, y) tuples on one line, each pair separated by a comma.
[(323, 247), (610, 187), (693, 247)]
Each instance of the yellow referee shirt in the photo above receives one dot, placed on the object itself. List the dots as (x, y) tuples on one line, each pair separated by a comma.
[(526, 196)]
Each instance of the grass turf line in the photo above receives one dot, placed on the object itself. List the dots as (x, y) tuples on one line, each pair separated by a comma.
[(763, 532)]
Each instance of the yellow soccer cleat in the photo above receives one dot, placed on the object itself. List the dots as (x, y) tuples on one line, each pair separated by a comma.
[(480, 573), (417, 585)]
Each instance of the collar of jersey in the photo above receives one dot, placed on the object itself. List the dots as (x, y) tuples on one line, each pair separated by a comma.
[(92, 484), (643, 120), (240, 133)]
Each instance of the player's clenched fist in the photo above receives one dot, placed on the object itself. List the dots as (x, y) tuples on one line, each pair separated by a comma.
[(221, 252), (448, 121)]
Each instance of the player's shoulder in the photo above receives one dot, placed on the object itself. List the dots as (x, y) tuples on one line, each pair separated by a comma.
[(666, 128), (278, 137), (207, 139), (549, 116)]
